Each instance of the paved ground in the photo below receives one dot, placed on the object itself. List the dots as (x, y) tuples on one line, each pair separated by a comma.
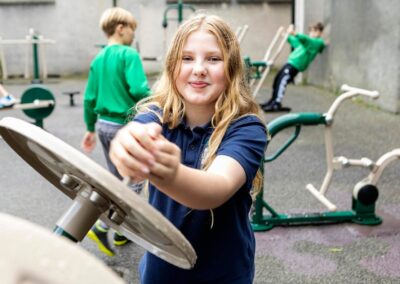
[(341, 253)]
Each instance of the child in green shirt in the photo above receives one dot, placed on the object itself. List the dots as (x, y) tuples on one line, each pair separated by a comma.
[(6, 99), (305, 48), (116, 83)]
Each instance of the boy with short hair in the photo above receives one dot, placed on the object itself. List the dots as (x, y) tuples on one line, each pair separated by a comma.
[(116, 83), (305, 48)]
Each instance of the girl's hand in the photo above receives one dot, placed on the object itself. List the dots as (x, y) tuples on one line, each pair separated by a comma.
[(132, 150), (166, 166)]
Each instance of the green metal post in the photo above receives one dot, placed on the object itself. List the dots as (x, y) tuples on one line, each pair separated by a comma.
[(36, 75), (180, 11), (39, 123), (179, 6)]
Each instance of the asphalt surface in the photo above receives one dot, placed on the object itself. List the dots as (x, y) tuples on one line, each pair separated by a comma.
[(339, 253)]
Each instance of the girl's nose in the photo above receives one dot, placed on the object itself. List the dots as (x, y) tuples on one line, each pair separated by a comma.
[(199, 68)]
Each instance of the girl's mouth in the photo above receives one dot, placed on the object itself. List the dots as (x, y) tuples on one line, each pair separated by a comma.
[(198, 84)]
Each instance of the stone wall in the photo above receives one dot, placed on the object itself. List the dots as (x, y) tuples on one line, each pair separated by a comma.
[(364, 47)]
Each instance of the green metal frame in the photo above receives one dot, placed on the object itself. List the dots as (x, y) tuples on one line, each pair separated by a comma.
[(36, 73), (360, 213), (255, 68), (61, 232), (179, 7)]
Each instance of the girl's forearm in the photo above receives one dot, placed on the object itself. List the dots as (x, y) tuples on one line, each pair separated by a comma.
[(198, 189)]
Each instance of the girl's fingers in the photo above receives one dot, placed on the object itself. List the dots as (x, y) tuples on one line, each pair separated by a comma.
[(163, 145), (154, 129), (127, 164), (133, 147), (167, 161), (145, 134), (163, 167)]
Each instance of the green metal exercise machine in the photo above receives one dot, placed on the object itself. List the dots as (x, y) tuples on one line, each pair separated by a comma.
[(37, 102), (365, 192), (179, 7), (259, 70)]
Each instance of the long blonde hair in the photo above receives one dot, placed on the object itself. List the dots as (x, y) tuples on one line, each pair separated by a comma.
[(235, 102)]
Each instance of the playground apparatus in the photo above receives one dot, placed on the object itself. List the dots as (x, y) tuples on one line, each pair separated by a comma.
[(96, 194), (32, 254), (241, 32), (259, 70), (36, 102), (38, 44), (179, 7), (365, 192)]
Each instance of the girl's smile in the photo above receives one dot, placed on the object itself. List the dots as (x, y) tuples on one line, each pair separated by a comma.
[(199, 84)]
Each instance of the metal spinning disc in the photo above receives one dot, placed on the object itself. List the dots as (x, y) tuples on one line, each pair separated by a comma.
[(79, 177), (32, 254)]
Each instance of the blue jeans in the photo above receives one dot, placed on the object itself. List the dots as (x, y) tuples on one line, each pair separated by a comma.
[(106, 132)]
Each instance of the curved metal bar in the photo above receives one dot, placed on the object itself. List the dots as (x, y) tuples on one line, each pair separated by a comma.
[(382, 163), (292, 120), (285, 146)]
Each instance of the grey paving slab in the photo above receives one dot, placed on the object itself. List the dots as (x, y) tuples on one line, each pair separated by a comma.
[(342, 253)]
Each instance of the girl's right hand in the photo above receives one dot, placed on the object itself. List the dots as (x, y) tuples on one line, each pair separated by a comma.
[(132, 149)]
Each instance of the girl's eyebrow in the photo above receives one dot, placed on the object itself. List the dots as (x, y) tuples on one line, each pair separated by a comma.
[(218, 52)]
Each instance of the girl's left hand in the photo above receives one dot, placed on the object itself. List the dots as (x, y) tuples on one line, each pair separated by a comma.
[(167, 161), (131, 150)]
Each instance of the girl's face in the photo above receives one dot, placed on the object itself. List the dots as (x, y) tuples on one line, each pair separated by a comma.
[(201, 79)]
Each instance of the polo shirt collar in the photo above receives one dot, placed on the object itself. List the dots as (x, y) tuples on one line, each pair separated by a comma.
[(201, 129)]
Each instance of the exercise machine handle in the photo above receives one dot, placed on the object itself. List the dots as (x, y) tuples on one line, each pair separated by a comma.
[(372, 94), (349, 92), (292, 120)]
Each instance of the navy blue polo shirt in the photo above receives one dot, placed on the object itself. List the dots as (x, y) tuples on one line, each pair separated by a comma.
[(225, 251)]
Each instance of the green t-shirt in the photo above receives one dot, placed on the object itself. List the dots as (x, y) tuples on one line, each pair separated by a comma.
[(116, 83), (305, 50)]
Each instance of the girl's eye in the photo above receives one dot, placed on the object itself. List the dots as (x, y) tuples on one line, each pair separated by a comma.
[(186, 58), (214, 59)]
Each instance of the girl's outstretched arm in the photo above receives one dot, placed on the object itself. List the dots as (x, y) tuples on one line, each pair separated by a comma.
[(140, 151), (194, 188)]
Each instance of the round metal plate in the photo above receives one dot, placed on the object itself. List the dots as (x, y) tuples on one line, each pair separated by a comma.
[(37, 92), (53, 158), (32, 254)]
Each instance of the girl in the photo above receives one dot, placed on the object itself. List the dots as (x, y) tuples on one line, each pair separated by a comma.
[(200, 142)]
